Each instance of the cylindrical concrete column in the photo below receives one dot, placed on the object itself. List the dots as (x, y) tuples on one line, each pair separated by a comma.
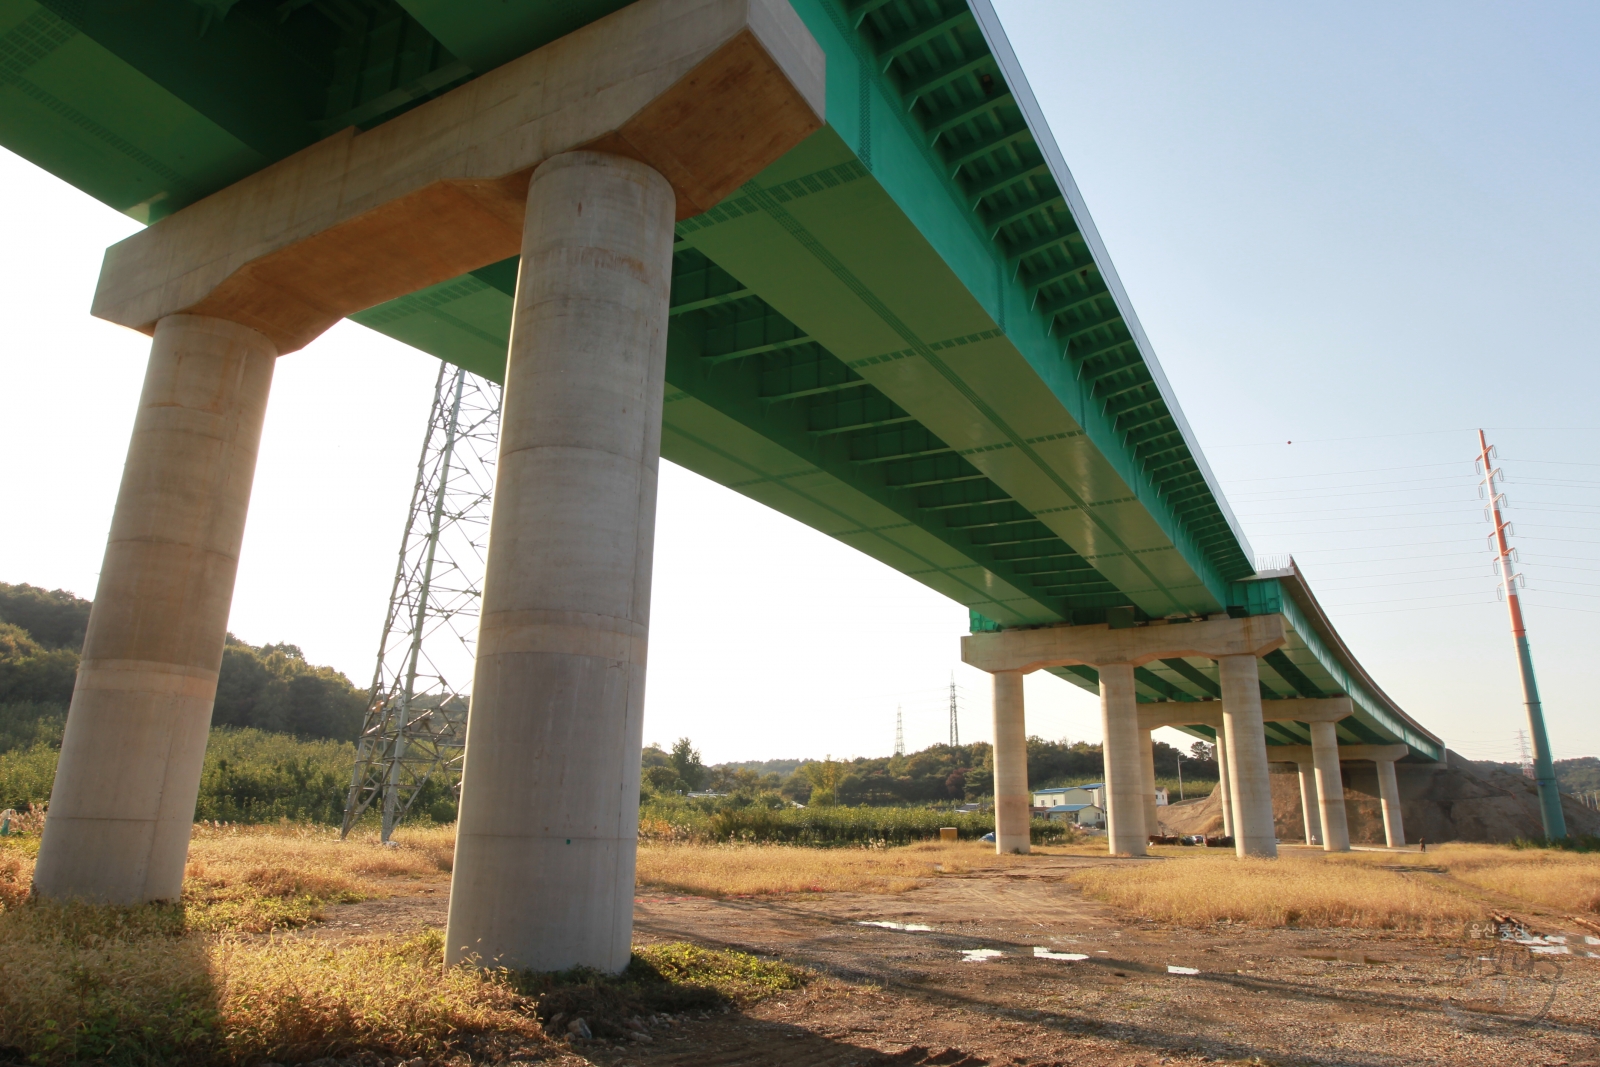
[(1309, 812), (1147, 783), (1012, 804), (1308, 803), (545, 845), (1224, 783), (1253, 833), (1394, 830), (1119, 720), (122, 807), (1330, 787)]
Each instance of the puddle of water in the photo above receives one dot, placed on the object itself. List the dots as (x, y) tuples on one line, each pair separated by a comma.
[(1182, 970), (1042, 953), (980, 955), (885, 924)]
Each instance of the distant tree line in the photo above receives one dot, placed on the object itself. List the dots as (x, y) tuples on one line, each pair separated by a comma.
[(937, 775), (268, 687)]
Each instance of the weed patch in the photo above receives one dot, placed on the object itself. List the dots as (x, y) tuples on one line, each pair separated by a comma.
[(664, 979)]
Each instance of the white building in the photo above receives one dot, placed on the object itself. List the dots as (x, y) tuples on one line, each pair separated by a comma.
[(1071, 794)]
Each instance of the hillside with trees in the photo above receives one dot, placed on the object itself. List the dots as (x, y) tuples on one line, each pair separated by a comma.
[(282, 728)]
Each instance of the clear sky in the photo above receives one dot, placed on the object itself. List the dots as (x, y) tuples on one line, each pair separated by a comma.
[(1364, 229)]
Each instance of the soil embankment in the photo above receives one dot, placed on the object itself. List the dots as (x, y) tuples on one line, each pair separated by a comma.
[(1457, 800)]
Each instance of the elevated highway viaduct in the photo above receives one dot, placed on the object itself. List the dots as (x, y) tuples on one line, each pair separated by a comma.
[(824, 252)]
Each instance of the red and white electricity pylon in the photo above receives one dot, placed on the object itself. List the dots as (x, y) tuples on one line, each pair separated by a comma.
[(1544, 772)]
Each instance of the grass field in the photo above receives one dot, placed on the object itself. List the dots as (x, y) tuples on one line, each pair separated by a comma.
[(220, 979), (1197, 887), (204, 982), (759, 870)]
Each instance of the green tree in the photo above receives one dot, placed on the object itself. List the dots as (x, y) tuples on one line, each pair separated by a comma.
[(825, 777), (273, 688), (55, 618), (31, 673), (663, 780), (686, 761)]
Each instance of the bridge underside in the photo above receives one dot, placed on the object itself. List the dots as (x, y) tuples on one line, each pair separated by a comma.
[(887, 315)]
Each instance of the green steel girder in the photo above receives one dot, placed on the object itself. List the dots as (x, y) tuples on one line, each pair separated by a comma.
[(1293, 676), (945, 496), (944, 121), (1184, 669), (927, 470), (860, 11), (1042, 243), (937, 79), (842, 435), (1074, 268), (980, 187), (153, 105), (981, 145), (920, 35), (901, 442), (715, 300), (1018, 533), (1047, 211), (1159, 685)]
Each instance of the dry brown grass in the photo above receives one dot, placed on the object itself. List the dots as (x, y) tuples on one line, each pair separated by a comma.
[(768, 870), (1566, 881), (294, 999), (259, 878), (188, 984), (1197, 887)]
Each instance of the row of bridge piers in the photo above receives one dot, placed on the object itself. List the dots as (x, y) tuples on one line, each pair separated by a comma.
[(1238, 720)]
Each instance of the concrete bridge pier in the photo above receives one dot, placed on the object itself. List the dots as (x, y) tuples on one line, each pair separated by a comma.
[(1394, 831), (1124, 790), (1224, 782), (1147, 776), (1330, 787), (544, 869), (1013, 814), (122, 806), (1247, 756), (1308, 802)]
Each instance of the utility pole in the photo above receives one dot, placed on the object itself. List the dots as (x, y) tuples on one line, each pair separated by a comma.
[(899, 732), (1180, 774), (955, 730), (416, 722), (1544, 772)]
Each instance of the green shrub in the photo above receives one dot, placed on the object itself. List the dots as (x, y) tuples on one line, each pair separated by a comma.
[(820, 826)]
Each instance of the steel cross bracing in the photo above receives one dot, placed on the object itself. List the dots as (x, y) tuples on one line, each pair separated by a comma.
[(415, 728)]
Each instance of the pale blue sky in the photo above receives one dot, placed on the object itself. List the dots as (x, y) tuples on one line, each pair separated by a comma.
[(1364, 228), (1369, 229)]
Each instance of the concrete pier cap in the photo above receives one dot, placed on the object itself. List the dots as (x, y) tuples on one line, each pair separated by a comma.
[(670, 106), (705, 92), (1115, 652)]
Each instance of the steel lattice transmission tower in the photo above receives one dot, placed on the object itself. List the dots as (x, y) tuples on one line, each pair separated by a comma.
[(1544, 774), (899, 731), (416, 722), (955, 728)]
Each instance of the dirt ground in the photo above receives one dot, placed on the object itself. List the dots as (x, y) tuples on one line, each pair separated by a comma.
[(906, 996)]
